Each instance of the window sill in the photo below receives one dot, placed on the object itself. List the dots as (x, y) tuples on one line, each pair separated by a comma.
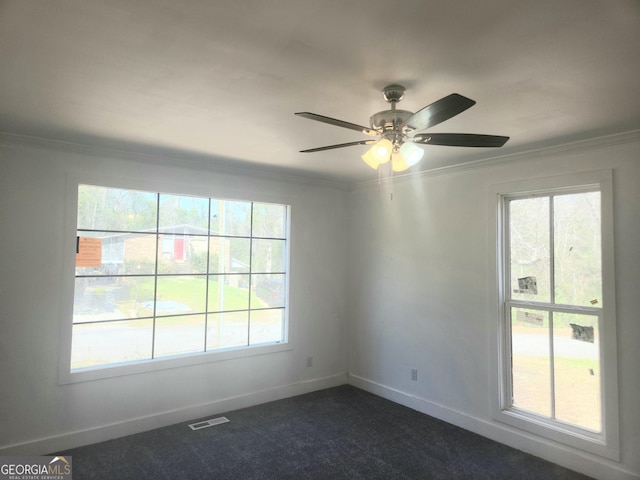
[(177, 361), (581, 439)]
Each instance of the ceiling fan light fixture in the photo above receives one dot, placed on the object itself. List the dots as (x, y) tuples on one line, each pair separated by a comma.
[(378, 154), (411, 153), (406, 157), (398, 162)]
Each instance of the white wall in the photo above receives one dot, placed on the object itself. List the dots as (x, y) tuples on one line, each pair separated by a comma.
[(37, 415), (408, 278), (419, 274)]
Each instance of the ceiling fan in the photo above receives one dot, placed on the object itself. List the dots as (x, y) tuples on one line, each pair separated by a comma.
[(396, 130)]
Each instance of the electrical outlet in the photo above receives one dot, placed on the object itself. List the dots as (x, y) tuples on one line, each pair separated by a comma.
[(309, 361), (414, 374)]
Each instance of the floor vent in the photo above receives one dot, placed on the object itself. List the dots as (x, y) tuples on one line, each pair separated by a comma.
[(208, 423)]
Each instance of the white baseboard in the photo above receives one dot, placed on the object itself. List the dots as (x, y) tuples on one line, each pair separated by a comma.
[(559, 454), (101, 433)]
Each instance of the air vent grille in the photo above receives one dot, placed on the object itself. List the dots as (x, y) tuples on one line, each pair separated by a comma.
[(208, 423)]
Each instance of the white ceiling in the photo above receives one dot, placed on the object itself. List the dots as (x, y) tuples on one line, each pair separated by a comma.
[(222, 79)]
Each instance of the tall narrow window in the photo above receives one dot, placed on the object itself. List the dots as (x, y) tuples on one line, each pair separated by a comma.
[(554, 306), (556, 300), (161, 275)]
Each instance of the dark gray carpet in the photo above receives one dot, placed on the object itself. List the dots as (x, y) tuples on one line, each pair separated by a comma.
[(339, 433)]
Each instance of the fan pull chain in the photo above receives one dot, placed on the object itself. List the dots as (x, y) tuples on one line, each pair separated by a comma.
[(390, 181)]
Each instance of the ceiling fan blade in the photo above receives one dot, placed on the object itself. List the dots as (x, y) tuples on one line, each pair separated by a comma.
[(460, 139), (337, 123), (340, 145), (438, 112)]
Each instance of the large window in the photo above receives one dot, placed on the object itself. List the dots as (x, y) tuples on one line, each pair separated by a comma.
[(161, 275), (555, 287)]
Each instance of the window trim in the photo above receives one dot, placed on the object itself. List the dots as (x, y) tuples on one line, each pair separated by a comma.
[(68, 376), (605, 443)]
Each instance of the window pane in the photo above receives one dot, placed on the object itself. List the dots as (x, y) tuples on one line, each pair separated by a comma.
[(111, 298), (266, 326), (269, 220), (112, 342), (228, 292), (120, 253), (577, 369), (184, 214), (229, 255), (578, 249), (230, 217), (226, 330), (529, 247), (176, 335), (182, 254), (267, 256), (215, 214), (269, 291), (531, 366), (104, 208), (180, 294)]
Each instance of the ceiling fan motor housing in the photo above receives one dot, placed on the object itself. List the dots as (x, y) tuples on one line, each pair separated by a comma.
[(388, 122)]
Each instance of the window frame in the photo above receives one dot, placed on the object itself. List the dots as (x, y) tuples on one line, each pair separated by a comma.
[(606, 442), (65, 374)]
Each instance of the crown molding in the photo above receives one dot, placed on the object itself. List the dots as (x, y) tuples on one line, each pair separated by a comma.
[(188, 160), (243, 168), (538, 153)]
